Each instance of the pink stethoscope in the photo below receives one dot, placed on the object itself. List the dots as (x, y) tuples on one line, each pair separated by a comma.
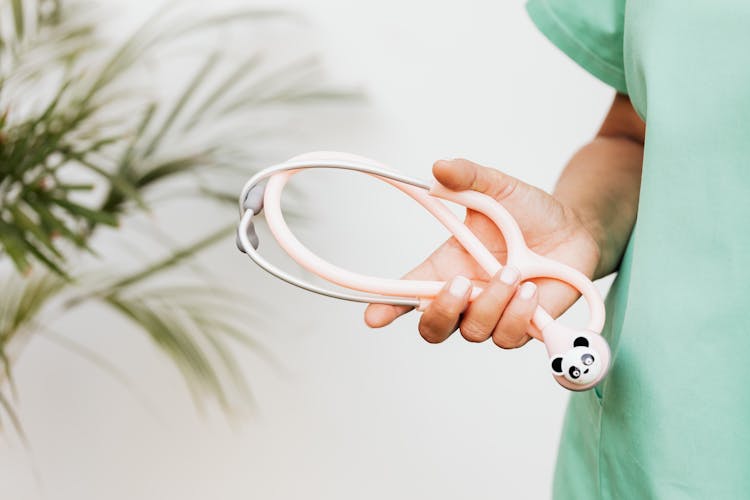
[(579, 359)]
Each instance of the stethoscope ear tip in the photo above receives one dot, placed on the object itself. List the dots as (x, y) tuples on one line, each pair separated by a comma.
[(254, 198), (247, 226)]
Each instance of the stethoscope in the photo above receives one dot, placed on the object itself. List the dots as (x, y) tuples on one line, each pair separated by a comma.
[(579, 359)]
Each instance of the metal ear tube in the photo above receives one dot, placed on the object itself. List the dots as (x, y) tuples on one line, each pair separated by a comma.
[(579, 359)]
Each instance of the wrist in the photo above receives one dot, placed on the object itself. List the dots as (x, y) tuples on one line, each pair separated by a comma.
[(609, 241), (594, 241)]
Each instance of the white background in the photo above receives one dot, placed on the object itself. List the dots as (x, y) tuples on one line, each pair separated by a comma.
[(344, 412)]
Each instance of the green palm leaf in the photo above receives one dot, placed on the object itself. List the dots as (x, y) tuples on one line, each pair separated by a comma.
[(83, 147)]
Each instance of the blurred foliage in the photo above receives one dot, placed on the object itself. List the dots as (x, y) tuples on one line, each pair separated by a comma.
[(83, 146)]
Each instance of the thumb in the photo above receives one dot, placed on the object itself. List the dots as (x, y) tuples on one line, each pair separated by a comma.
[(460, 175)]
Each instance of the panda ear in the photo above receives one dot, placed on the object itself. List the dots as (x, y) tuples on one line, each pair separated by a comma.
[(581, 342), (557, 365)]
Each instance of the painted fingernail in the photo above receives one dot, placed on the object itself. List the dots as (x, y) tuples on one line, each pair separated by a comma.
[(509, 275), (459, 286), (527, 290)]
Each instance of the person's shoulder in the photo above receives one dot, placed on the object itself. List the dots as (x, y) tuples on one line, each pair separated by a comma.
[(589, 32)]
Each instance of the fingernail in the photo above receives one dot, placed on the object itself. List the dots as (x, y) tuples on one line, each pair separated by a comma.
[(459, 286), (509, 275), (527, 290)]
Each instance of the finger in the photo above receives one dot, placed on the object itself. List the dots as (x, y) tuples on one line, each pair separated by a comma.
[(460, 174), (440, 319), (484, 312), (380, 315), (515, 321)]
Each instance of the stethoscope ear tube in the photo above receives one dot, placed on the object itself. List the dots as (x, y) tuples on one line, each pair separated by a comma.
[(247, 243), (251, 204)]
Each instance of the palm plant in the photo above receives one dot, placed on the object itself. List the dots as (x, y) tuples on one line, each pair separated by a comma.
[(85, 149)]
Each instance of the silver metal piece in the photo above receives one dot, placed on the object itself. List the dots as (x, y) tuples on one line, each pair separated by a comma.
[(248, 207), (238, 242), (335, 164)]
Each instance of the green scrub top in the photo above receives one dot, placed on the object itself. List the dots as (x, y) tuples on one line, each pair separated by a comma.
[(672, 419)]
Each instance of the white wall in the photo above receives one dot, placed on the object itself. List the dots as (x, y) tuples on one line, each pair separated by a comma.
[(350, 413)]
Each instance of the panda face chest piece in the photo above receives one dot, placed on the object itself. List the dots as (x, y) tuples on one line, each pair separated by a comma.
[(580, 365)]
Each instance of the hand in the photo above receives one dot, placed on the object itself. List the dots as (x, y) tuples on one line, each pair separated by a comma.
[(504, 309)]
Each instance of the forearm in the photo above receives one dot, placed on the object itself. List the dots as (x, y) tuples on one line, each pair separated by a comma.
[(601, 185)]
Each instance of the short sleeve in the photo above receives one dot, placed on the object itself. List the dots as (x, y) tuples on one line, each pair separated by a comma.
[(589, 31)]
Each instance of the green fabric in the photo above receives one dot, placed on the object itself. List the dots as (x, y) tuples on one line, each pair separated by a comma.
[(672, 420), (592, 36)]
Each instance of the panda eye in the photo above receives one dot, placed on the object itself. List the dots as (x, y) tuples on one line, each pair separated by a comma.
[(587, 359), (574, 372)]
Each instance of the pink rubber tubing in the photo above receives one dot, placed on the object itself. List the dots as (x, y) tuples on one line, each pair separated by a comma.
[(556, 337)]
